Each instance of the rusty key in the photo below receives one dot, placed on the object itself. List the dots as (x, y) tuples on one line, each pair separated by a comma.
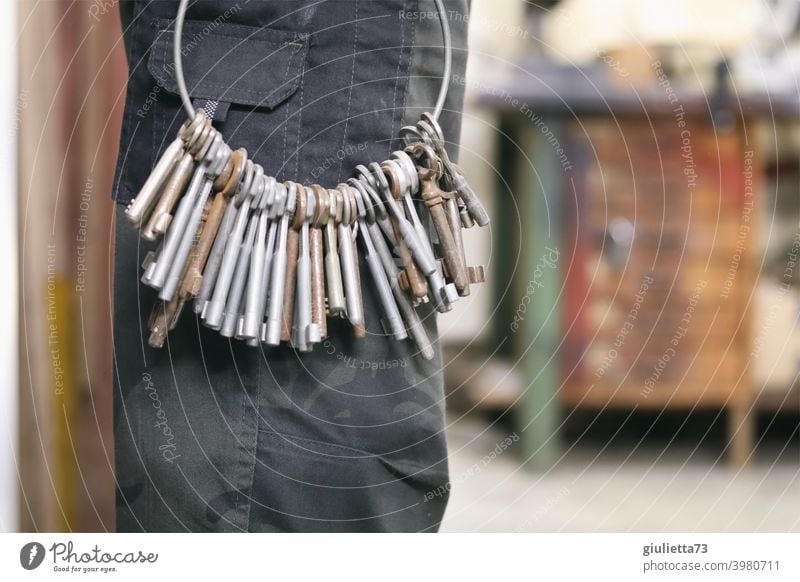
[(292, 249), (318, 222), (225, 185), (433, 197)]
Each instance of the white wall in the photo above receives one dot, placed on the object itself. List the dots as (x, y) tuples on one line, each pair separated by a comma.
[(581, 27)]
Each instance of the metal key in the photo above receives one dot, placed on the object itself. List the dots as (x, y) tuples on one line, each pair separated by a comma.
[(472, 202), (218, 155), (319, 221), (433, 197), (305, 331), (400, 184), (161, 216), (393, 322), (454, 221), (292, 249), (215, 259), (410, 316), (266, 269), (213, 312), (195, 136), (368, 180), (333, 267), (240, 275), (224, 185), (274, 324), (415, 260), (250, 327), (350, 275), (138, 209), (229, 221), (163, 319), (156, 274)]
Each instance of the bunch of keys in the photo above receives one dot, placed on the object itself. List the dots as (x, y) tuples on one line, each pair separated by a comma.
[(268, 262)]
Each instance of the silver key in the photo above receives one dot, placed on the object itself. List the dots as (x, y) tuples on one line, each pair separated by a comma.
[(137, 210), (272, 335), (352, 293), (236, 293), (304, 332), (156, 275), (214, 311), (410, 316), (393, 322), (219, 154), (472, 202), (254, 310), (215, 259), (276, 210), (266, 272), (333, 266)]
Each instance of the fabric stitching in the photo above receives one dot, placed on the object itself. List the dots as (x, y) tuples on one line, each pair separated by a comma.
[(299, 123), (350, 94), (397, 78), (286, 125)]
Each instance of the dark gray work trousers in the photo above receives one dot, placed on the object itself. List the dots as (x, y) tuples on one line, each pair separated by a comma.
[(212, 435)]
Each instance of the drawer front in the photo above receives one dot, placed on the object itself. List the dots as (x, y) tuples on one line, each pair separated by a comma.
[(660, 241)]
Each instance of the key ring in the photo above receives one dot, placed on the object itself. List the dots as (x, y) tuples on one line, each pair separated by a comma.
[(177, 54), (267, 262)]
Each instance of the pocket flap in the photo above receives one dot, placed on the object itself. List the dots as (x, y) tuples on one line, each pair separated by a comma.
[(233, 63)]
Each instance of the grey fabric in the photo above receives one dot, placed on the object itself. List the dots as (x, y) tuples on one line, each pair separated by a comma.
[(426, 69), (212, 435)]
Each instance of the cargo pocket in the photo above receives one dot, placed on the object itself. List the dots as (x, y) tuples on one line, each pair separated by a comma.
[(253, 72)]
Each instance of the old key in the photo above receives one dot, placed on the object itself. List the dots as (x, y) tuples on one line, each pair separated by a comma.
[(350, 274), (319, 221), (305, 331), (333, 267), (271, 335)]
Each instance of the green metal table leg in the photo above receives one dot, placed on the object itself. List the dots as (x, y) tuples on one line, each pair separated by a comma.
[(538, 284)]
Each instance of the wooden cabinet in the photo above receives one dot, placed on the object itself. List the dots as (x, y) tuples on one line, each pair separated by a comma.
[(660, 229)]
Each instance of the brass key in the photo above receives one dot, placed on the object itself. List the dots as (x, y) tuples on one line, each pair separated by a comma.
[(292, 249), (318, 222)]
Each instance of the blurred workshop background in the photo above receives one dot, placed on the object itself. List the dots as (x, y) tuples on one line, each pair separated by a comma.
[(632, 364)]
